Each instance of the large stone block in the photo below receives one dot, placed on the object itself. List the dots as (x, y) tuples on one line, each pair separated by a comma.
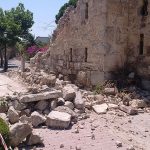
[(58, 119), (18, 132), (79, 101), (69, 93), (41, 96)]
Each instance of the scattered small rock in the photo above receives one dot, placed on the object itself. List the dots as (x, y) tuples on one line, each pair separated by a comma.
[(110, 91), (137, 103), (131, 148), (78, 148), (60, 101), (53, 104), (93, 137), (62, 146), (69, 105), (129, 110), (34, 139), (100, 109), (118, 144)]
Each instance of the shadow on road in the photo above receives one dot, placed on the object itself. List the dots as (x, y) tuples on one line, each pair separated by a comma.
[(10, 66)]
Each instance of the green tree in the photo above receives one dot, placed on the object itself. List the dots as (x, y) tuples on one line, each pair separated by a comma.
[(16, 22), (63, 8)]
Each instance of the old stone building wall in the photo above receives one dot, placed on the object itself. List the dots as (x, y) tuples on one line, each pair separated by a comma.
[(98, 37), (139, 38)]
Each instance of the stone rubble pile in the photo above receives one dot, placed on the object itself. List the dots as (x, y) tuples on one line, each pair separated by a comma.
[(55, 103)]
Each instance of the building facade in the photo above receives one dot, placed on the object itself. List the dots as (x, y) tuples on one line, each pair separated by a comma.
[(98, 37)]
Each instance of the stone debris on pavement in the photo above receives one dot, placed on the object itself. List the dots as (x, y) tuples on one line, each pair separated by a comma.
[(64, 106)]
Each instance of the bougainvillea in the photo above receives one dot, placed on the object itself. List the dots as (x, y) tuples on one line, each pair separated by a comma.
[(34, 49)]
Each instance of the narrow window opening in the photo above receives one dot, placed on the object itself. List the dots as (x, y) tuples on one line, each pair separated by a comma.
[(144, 9), (141, 51), (70, 54), (86, 11), (86, 54)]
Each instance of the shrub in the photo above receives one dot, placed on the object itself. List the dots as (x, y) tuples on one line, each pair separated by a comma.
[(3, 105), (98, 89), (63, 8), (4, 130)]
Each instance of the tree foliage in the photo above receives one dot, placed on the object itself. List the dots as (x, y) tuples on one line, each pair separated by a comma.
[(63, 8), (16, 22)]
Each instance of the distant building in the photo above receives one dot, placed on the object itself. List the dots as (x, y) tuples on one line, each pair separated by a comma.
[(44, 40)]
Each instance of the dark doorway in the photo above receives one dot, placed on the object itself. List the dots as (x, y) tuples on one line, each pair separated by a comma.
[(141, 50), (71, 54), (86, 11), (86, 54), (144, 9)]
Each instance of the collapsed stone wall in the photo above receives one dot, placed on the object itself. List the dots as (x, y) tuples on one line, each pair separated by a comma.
[(89, 41), (98, 37)]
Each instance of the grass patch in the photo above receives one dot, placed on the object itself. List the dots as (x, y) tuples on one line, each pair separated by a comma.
[(4, 130)]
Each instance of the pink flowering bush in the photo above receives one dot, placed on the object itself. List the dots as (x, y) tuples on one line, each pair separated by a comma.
[(32, 50)]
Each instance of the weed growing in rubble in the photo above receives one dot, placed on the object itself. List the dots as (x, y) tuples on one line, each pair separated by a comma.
[(98, 89), (3, 105)]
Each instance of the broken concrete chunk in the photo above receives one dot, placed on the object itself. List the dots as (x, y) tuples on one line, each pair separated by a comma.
[(19, 106), (53, 104), (18, 132), (129, 110), (100, 109), (110, 91), (69, 93), (41, 96), (41, 105), (25, 119), (69, 105), (113, 106), (12, 115), (37, 119), (79, 101), (137, 103), (34, 139), (58, 119), (66, 110), (48, 79)]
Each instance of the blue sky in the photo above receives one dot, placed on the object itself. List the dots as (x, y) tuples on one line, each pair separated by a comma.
[(44, 13)]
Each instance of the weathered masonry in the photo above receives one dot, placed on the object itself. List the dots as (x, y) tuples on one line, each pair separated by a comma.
[(99, 36)]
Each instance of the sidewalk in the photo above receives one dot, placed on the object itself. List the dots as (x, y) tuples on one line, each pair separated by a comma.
[(9, 86)]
